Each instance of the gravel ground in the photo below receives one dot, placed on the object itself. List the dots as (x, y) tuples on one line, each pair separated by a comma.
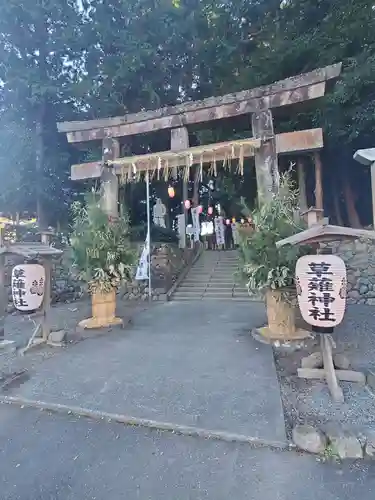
[(307, 401), (19, 328)]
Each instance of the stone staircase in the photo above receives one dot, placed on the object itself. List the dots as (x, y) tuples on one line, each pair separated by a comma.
[(213, 277)]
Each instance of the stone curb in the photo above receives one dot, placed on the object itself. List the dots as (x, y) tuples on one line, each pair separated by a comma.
[(333, 440), (370, 380), (183, 430)]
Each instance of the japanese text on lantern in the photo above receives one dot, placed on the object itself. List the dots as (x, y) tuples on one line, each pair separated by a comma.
[(19, 287), (28, 283), (321, 289)]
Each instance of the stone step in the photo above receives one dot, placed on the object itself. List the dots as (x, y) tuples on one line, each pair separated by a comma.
[(227, 263), (186, 299), (184, 296), (219, 287), (222, 277), (218, 293), (225, 271), (224, 299), (191, 291), (212, 272), (198, 277), (206, 271), (198, 283), (212, 278)]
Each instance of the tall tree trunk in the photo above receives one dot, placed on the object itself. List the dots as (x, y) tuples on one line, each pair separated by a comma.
[(39, 166), (336, 188), (353, 216), (318, 181), (337, 209), (302, 184)]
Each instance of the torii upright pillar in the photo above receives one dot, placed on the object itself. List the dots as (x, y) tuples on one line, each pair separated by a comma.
[(266, 165), (109, 179)]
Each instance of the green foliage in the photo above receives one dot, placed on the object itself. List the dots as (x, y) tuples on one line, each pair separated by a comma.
[(101, 249), (40, 60), (265, 265), (64, 60)]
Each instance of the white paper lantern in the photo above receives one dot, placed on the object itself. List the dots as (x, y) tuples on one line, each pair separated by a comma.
[(28, 283), (321, 289)]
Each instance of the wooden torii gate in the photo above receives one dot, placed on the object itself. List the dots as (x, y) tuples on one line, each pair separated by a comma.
[(264, 145)]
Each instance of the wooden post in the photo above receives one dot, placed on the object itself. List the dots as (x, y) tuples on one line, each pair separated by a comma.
[(373, 193), (302, 185), (329, 368), (266, 167), (3, 295), (318, 181), (109, 180), (46, 305), (179, 142)]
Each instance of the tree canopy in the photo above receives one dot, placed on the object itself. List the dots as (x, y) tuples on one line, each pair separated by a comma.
[(63, 59)]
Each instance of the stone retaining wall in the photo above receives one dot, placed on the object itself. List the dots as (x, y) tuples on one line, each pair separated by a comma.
[(359, 257), (167, 261)]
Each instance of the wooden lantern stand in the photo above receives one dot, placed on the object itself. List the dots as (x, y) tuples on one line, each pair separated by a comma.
[(44, 253), (329, 373), (320, 231)]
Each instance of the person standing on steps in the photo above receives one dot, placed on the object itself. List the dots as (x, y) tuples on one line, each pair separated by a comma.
[(228, 235)]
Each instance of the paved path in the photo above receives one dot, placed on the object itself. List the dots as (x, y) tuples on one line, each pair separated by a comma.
[(55, 457), (191, 364)]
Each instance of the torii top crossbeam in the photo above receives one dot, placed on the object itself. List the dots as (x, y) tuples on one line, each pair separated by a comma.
[(290, 91)]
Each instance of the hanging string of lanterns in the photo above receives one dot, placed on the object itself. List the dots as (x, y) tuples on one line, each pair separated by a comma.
[(210, 210)]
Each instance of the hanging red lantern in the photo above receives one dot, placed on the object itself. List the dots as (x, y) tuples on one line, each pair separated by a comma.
[(210, 211), (187, 204), (200, 209), (171, 192)]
